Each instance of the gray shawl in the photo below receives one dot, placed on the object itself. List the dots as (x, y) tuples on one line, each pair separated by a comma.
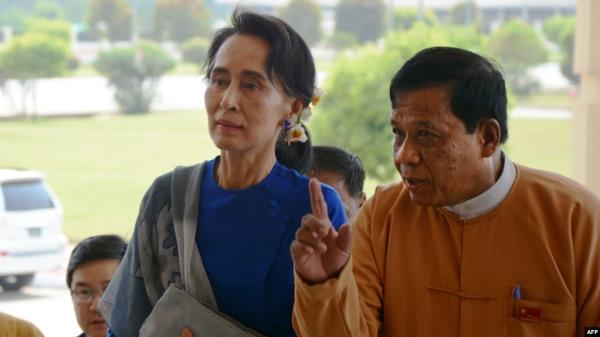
[(161, 285)]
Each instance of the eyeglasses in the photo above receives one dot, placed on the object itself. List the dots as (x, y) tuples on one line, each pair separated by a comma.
[(85, 295)]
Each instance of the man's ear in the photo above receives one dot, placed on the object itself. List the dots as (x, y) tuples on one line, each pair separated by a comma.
[(489, 136), (363, 198)]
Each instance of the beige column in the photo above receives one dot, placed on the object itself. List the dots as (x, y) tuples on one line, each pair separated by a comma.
[(586, 118)]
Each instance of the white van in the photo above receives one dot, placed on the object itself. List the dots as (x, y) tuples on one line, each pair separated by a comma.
[(31, 238)]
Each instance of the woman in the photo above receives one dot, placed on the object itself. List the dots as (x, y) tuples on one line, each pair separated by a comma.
[(238, 212)]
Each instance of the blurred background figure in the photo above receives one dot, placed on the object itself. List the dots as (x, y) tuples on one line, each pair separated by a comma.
[(11, 326), (343, 171), (92, 265)]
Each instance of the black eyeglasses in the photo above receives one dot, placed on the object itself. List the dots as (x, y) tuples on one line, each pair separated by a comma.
[(85, 295)]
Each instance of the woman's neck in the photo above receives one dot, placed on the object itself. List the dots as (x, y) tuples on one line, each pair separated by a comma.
[(235, 171)]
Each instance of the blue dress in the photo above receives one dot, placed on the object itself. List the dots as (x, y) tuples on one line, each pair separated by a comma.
[(244, 239)]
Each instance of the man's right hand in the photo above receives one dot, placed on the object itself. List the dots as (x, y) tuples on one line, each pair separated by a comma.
[(319, 251)]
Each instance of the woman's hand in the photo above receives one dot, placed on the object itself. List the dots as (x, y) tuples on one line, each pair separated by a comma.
[(319, 251)]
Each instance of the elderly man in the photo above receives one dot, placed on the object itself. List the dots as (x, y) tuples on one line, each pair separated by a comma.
[(344, 172), (469, 243)]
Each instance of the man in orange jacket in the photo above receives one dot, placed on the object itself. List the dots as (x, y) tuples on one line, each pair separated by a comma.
[(468, 244), (11, 326)]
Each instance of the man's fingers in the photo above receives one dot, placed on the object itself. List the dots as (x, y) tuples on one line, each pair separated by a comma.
[(187, 333), (314, 224), (310, 238), (298, 249), (307, 236), (317, 201)]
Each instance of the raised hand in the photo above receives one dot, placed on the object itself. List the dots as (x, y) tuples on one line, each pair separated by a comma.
[(319, 251)]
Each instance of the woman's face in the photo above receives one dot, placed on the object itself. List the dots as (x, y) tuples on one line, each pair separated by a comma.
[(245, 109)]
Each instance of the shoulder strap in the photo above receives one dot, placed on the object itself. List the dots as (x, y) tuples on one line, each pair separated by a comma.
[(185, 202)]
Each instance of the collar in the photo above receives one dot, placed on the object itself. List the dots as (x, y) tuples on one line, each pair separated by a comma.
[(488, 200)]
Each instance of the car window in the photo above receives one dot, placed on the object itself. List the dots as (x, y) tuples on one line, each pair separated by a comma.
[(26, 195)]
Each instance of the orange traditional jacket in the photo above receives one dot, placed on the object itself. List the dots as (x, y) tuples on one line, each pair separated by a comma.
[(11, 326), (422, 272)]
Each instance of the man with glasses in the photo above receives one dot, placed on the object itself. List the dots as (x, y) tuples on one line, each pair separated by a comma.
[(92, 265)]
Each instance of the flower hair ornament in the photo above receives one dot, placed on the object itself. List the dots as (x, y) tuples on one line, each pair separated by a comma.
[(294, 129)]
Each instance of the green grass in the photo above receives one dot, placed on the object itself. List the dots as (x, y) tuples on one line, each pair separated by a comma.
[(544, 144), (101, 166)]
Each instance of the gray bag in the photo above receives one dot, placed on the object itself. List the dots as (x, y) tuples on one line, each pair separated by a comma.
[(176, 310), (189, 302)]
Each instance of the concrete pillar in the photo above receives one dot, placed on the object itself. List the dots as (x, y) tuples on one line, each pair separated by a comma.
[(586, 119)]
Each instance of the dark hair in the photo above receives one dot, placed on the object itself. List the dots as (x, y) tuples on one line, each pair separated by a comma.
[(97, 247), (296, 155), (476, 86), (335, 159), (289, 62)]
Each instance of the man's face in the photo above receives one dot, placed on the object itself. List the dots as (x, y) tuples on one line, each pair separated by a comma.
[(336, 180), (440, 163), (88, 283)]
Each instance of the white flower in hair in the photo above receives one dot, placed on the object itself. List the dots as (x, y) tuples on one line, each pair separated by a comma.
[(305, 114), (296, 134), (317, 95)]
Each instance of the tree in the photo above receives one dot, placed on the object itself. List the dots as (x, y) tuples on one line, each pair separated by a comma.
[(554, 25), (59, 29), (355, 112), (31, 56), (365, 19), (406, 17), (305, 17), (561, 30), (75, 10), (14, 18), (195, 50), (134, 72), (48, 9), (341, 40), (567, 47), (464, 13), (180, 20), (518, 46), (110, 19)]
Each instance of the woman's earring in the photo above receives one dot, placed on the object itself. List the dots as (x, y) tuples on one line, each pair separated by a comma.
[(287, 124)]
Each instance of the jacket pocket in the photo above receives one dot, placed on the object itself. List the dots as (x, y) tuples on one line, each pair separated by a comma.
[(540, 319)]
